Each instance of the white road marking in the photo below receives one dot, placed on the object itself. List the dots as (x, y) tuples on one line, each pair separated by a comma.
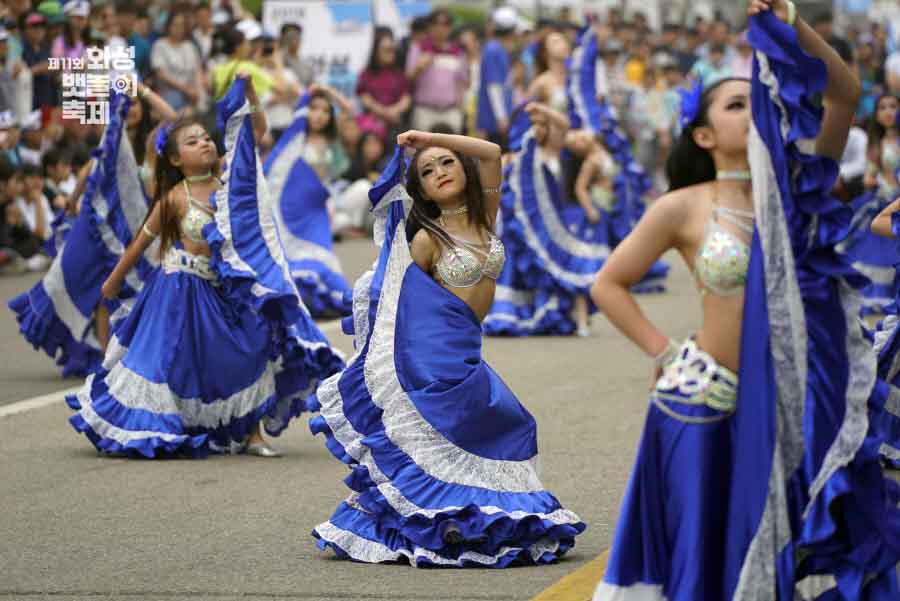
[(45, 400)]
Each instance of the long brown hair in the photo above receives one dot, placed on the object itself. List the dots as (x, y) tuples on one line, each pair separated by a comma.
[(165, 177), (425, 212)]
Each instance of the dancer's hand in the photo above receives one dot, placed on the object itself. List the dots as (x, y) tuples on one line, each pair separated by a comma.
[(415, 139), (111, 288), (592, 214), (779, 7)]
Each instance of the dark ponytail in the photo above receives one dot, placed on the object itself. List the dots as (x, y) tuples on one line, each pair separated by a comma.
[(687, 163)]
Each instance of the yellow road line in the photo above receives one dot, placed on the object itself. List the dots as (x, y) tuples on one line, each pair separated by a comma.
[(580, 584)]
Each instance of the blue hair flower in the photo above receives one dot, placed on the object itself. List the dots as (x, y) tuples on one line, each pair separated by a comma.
[(161, 138), (690, 103)]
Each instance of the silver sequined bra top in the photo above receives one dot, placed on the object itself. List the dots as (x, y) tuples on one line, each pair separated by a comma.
[(722, 261), (466, 263), (197, 216)]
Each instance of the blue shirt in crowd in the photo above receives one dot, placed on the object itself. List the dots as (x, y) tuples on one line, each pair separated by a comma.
[(495, 69)]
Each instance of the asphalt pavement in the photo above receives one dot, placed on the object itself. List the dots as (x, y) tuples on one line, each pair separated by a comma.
[(77, 526)]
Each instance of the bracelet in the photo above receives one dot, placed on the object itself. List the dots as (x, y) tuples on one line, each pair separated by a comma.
[(492, 190), (792, 12), (149, 233), (254, 108), (667, 355)]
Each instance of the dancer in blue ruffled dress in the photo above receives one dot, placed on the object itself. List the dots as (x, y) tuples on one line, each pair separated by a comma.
[(757, 475), (555, 246), (300, 170), (63, 313), (871, 254), (442, 454), (218, 340)]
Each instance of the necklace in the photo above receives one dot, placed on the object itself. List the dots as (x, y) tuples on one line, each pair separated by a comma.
[(199, 178), (741, 175), (460, 210)]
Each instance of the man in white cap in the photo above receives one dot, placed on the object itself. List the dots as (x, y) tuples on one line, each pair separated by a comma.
[(495, 93)]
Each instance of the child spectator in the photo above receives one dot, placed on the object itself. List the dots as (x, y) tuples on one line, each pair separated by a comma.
[(28, 215), (59, 181)]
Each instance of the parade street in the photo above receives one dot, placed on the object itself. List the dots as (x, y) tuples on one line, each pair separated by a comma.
[(76, 525)]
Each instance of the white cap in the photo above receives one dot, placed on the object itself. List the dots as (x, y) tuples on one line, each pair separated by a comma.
[(506, 18), (32, 121), (4, 35), (77, 8), (250, 28), (7, 120)]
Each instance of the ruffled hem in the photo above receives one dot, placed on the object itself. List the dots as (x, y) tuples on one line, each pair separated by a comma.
[(43, 329), (849, 525), (140, 433), (325, 293), (539, 519), (542, 315), (354, 533)]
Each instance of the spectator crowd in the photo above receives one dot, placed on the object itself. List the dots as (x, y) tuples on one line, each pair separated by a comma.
[(444, 76)]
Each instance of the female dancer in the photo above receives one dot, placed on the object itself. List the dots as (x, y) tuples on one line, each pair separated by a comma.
[(871, 254), (300, 170), (554, 248), (63, 313), (756, 477), (442, 453), (549, 86), (218, 339)]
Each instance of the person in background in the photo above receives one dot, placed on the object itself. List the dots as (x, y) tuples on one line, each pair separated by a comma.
[(10, 136), (823, 24), (418, 30), (741, 64), (439, 75), (280, 102), (109, 27), (176, 66), (202, 33), (382, 88), (33, 145), (35, 52), (59, 181), (495, 92), (638, 63), (352, 207), (469, 40), (29, 217), (127, 14), (76, 31), (291, 35), (712, 68), (692, 41)]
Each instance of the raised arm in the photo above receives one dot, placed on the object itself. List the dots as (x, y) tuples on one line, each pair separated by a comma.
[(144, 238), (842, 91), (257, 116), (558, 122), (881, 225), (655, 233), (586, 174), (157, 103), (72, 200)]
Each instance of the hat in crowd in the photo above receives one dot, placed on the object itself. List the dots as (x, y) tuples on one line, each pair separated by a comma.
[(221, 17), (77, 8), (51, 9), (32, 121), (7, 120), (506, 18), (612, 46), (250, 28), (35, 18), (4, 35)]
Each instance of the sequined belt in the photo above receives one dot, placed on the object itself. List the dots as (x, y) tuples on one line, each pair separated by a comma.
[(177, 259), (694, 378)]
